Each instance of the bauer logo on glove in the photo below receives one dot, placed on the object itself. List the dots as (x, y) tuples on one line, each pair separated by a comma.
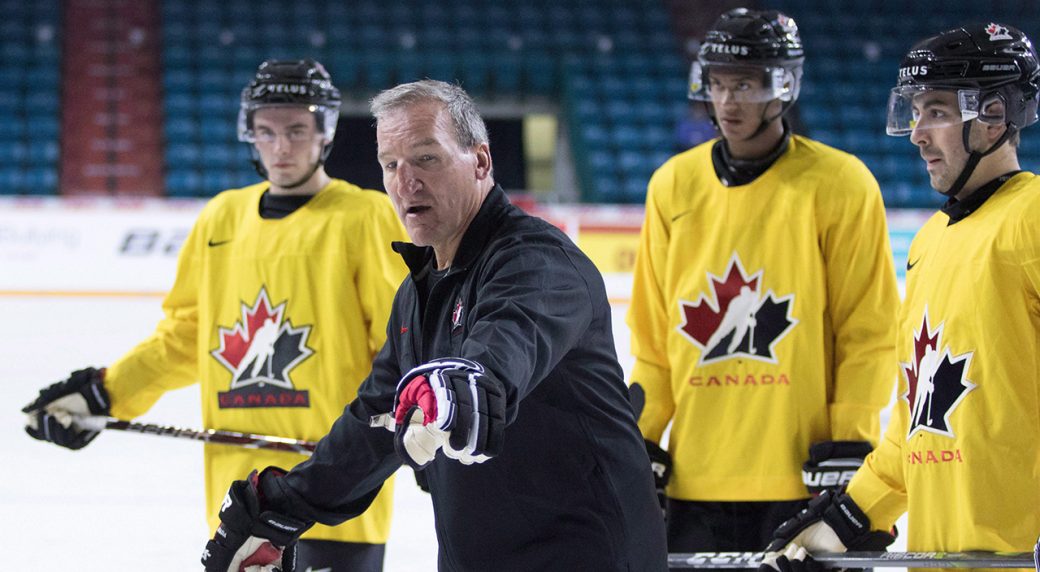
[(832, 464)]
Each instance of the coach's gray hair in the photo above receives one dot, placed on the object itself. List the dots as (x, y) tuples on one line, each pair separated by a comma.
[(469, 126)]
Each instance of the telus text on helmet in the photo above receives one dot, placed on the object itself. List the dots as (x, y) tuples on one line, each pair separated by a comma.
[(913, 71), (726, 49), (291, 88)]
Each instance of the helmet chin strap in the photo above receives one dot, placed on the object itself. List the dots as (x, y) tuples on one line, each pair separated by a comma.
[(974, 157), (763, 122)]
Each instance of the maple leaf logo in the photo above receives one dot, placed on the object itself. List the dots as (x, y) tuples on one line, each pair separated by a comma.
[(263, 347), (936, 382), (997, 32), (736, 320)]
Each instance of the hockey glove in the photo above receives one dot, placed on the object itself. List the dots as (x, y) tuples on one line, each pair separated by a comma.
[(251, 538), (451, 405), (831, 464), (53, 415), (660, 460), (794, 558), (661, 465), (1036, 555), (831, 523)]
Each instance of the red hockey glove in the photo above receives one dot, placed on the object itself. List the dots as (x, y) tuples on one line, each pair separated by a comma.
[(452, 405), (251, 538)]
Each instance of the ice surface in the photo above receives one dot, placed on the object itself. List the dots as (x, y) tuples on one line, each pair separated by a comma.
[(130, 502)]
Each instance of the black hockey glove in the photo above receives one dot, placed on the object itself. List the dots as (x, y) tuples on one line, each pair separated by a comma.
[(660, 460), (793, 559), (251, 535), (452, 405), (831, 523), (661, 466), (54, 414), (831, 464)]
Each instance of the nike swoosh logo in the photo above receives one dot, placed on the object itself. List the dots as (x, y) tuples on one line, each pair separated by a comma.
[(218, 242), (910, 265)]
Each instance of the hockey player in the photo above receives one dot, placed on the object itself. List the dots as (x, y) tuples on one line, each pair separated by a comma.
[(498, 380), (763, 303), (964, 465), (280, 303)]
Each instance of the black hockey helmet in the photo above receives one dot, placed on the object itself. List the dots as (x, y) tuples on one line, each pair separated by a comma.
[(303, 83), (983, 64), (766, 40), (290, 83), (980, 62)]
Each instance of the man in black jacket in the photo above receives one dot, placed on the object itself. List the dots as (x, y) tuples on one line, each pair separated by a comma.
[(498, 380)]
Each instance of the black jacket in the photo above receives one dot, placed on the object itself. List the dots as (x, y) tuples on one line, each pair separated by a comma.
[(572, 488)]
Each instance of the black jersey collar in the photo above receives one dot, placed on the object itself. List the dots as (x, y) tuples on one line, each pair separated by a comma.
[(280, 206), (734, 172), (959, 210)]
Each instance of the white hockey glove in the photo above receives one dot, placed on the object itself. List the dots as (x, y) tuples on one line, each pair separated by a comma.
[(832, 464), (451, 405), (831, 523), (794, 558), (53, 415)]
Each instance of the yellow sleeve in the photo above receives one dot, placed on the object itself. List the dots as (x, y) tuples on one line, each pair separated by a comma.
[(862, 301), (167, 359), (878, 487), (647, 317), (382, 272)]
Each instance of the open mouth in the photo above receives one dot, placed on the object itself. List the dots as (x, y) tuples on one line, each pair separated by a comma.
[(417, 209)]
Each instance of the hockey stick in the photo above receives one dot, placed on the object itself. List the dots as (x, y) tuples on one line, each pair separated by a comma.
[(734, 560), (248, 440)]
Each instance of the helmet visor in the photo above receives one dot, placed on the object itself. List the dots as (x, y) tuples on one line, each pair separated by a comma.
[(327, 116), (930, 107), (741, 84)]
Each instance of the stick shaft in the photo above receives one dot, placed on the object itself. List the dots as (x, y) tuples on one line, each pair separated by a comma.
[(735, 560), (248, 440)]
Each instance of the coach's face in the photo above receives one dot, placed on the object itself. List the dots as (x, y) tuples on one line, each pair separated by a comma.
[(436, 185)]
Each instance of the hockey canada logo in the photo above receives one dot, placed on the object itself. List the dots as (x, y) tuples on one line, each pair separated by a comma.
[(936, 382), (997, 32), (260, 351), (456, 316), (737, 319)]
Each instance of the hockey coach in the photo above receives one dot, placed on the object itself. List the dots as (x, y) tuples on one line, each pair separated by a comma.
[(498, 380)]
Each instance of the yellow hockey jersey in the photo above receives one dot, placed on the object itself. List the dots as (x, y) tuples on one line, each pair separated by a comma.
[(962, 452), (762, 318), (279, 320)]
